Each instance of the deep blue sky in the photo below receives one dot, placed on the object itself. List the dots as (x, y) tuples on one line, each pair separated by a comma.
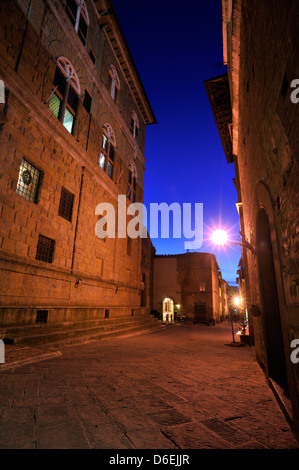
[(176, 46)]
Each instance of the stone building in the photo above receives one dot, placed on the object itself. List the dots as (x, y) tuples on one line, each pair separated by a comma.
[(72, 136), (256, 110), (225, 299), (188, 285)]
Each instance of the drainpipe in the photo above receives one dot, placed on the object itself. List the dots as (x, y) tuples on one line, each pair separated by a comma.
[(77, 220), (24, 37)]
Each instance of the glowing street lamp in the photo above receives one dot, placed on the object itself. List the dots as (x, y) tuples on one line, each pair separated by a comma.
[(220, 237)]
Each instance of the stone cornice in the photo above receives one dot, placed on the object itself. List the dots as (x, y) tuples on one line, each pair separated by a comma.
[(125, 60), (233, 62)]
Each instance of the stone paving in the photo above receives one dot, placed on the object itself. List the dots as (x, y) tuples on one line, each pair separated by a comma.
[(179, 388)]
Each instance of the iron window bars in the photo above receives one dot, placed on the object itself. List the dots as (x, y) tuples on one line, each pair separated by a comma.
[(45, 249), (66, 204), (28, 181)]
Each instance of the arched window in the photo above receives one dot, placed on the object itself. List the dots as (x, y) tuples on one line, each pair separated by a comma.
[(106, 160), (113, 83), (134, 125), (131, 191), (78, 14), (64, 100)]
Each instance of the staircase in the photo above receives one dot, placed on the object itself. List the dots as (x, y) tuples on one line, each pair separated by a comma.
[(27, 343)]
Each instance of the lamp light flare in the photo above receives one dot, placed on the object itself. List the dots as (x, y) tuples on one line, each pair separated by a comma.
[(219, 237), (237, 301)]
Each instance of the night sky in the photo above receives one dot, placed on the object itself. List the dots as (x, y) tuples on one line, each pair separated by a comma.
[(176, 46)]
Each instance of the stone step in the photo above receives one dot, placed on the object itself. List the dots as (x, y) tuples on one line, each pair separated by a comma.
[(104, 335), (19, 354), (73, 331), (13, 331)]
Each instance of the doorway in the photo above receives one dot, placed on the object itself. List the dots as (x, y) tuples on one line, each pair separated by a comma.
[(270, 307), (168, 310), (200, 312)]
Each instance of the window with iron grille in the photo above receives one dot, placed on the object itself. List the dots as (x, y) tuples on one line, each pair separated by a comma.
[(41, 316), (45, 249), (28, 181), (66, 204)]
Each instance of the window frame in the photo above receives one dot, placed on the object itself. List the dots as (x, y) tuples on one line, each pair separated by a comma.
[(66, 204), (113, 83), (107, 154), (81, 15), (87, 102), (71, 84), (132, 183), (45, 249), (134, 129), (21, 190)]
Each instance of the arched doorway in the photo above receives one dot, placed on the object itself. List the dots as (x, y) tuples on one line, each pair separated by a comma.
[(269, 298), (168, 310)]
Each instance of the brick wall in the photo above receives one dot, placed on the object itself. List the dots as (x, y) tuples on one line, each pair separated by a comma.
[(267, 159), (107, 274)]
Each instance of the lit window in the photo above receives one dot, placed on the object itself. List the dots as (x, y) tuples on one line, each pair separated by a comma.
[(134, 125), (78, 14), (28, 181), (202, 286), (106, 160), (64, 100), (131, 191), (114, 82)]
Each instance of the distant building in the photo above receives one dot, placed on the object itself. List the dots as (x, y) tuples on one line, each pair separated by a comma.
[(257, 114), (72, 135), (225, 299), (188, 285)]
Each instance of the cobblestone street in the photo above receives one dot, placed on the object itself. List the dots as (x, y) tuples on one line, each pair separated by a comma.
[(180, 388)]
